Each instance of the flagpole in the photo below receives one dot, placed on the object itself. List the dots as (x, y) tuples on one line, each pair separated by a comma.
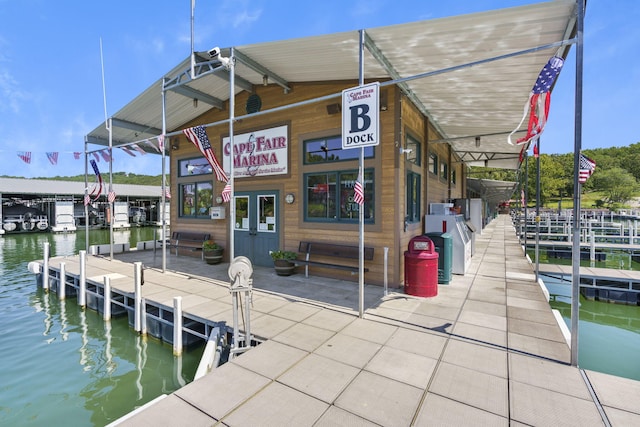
[(537, 208), (361, 209), (111, 203), (164, 183), (86, 194), (232, 202), (575, 252)]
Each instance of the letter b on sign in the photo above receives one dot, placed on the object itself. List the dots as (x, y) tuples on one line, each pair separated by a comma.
[(360, 121)]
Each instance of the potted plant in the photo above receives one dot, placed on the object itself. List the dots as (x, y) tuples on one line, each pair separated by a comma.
[(283, 262), (212, 252)]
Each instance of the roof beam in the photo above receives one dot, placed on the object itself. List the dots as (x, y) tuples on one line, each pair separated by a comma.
[(136, 127), (258, 68), (190, 92)]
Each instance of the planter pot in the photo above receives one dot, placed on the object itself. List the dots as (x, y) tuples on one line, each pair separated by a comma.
[(213, 257), (284, 267)]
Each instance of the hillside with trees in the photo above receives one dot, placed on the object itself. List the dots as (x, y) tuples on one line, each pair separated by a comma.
[(613, 185), (118, 178)]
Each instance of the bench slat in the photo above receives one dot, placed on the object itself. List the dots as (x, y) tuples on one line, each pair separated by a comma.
[(324, 249)]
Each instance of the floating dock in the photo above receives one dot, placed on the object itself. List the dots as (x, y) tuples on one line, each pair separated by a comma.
[(487, 350)]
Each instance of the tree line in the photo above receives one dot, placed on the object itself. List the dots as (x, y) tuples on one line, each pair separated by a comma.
[(615, 179)]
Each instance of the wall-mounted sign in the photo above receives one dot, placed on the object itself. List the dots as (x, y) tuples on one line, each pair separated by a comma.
[(360, 121), (260, 153)]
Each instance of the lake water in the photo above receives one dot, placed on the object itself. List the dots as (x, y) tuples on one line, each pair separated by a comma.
[(609, 334), (61, 365)]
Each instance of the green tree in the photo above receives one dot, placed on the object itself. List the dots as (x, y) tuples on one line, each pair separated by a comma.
[(619, 185)]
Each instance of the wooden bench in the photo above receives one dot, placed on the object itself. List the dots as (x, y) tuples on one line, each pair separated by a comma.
[(187, 240), (328, 251)]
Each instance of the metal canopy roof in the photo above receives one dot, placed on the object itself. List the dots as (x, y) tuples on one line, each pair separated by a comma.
[(470, 74), (492, 191)]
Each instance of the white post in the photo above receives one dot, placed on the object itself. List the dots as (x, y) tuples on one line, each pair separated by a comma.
[(107, 299), (143, 316), (62, 283), (82, 293), (592, 255), (177, 326), (386, 264), (45, 267), (137, 283)]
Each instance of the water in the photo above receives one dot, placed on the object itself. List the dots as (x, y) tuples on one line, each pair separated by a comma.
[(64, 366), (609, 334)]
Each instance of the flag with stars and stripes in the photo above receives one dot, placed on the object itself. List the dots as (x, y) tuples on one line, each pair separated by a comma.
[(53, 157), (539, 101), (25, 156), (587, 166), (226, 192), (198, 136), (358, 190)]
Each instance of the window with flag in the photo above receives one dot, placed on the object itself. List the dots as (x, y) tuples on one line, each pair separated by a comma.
[(413, 197), (329, 196), (195, 199), (327, 150)]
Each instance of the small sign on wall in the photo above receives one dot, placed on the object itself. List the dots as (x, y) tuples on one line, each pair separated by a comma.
[(217, 212)]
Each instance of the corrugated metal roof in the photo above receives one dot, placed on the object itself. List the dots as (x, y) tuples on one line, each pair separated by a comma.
[(46, 187), (484, 100)]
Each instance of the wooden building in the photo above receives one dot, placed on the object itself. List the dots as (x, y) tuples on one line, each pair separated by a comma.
[(451, 90)]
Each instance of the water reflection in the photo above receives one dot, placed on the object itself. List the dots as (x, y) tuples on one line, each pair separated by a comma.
[(73, 368)]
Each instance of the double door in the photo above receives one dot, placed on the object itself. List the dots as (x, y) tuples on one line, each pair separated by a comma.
[(256, 225)]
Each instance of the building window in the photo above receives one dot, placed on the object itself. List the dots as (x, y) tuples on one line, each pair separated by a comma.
[(194, 166), (327, 150), (453, 176), (413, 197), (414, 155), (195, 199), (329, 196), (433, 163), (444, 171)]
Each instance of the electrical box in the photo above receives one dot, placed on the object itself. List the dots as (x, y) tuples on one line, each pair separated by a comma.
[(216, 212)]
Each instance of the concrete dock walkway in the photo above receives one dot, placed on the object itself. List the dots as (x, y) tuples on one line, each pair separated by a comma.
[(487, 350)]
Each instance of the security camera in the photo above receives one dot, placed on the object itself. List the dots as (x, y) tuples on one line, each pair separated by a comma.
[(214, 52)]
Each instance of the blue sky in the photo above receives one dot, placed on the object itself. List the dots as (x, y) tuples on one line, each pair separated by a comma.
[(51, 81)]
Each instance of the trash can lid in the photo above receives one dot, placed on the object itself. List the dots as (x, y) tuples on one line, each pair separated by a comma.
[(421, 244)]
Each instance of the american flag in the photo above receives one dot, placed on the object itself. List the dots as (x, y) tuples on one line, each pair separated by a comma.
[(226, 192), (97, 189), (53, 157), (105, 155), (358, 189), (138, 148), (587, 166), (111, 197), (198, 135), (539, 101), (25, 156), (87, 199), (129, 151), (161, 143), (76, 155)]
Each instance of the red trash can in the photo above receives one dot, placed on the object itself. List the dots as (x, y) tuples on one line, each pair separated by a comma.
[(421, 268)]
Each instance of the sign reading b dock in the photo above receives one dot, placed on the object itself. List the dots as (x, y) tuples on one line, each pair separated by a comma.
[(360, 119)]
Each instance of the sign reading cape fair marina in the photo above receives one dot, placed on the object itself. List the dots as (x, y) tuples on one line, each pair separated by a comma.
[(360, 121), (260, 153)]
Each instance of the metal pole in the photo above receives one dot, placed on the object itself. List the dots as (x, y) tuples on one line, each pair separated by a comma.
[(575, 253), (538, 212), (232, 114), (86, 196), (361, 210), (386, 263), (62, 283), (137, 305), (526, 196), (164, 183), (107, 299), (111, 204)]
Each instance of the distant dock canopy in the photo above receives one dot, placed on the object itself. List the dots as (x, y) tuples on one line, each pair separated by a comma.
[(23, 219), (30, 205)]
